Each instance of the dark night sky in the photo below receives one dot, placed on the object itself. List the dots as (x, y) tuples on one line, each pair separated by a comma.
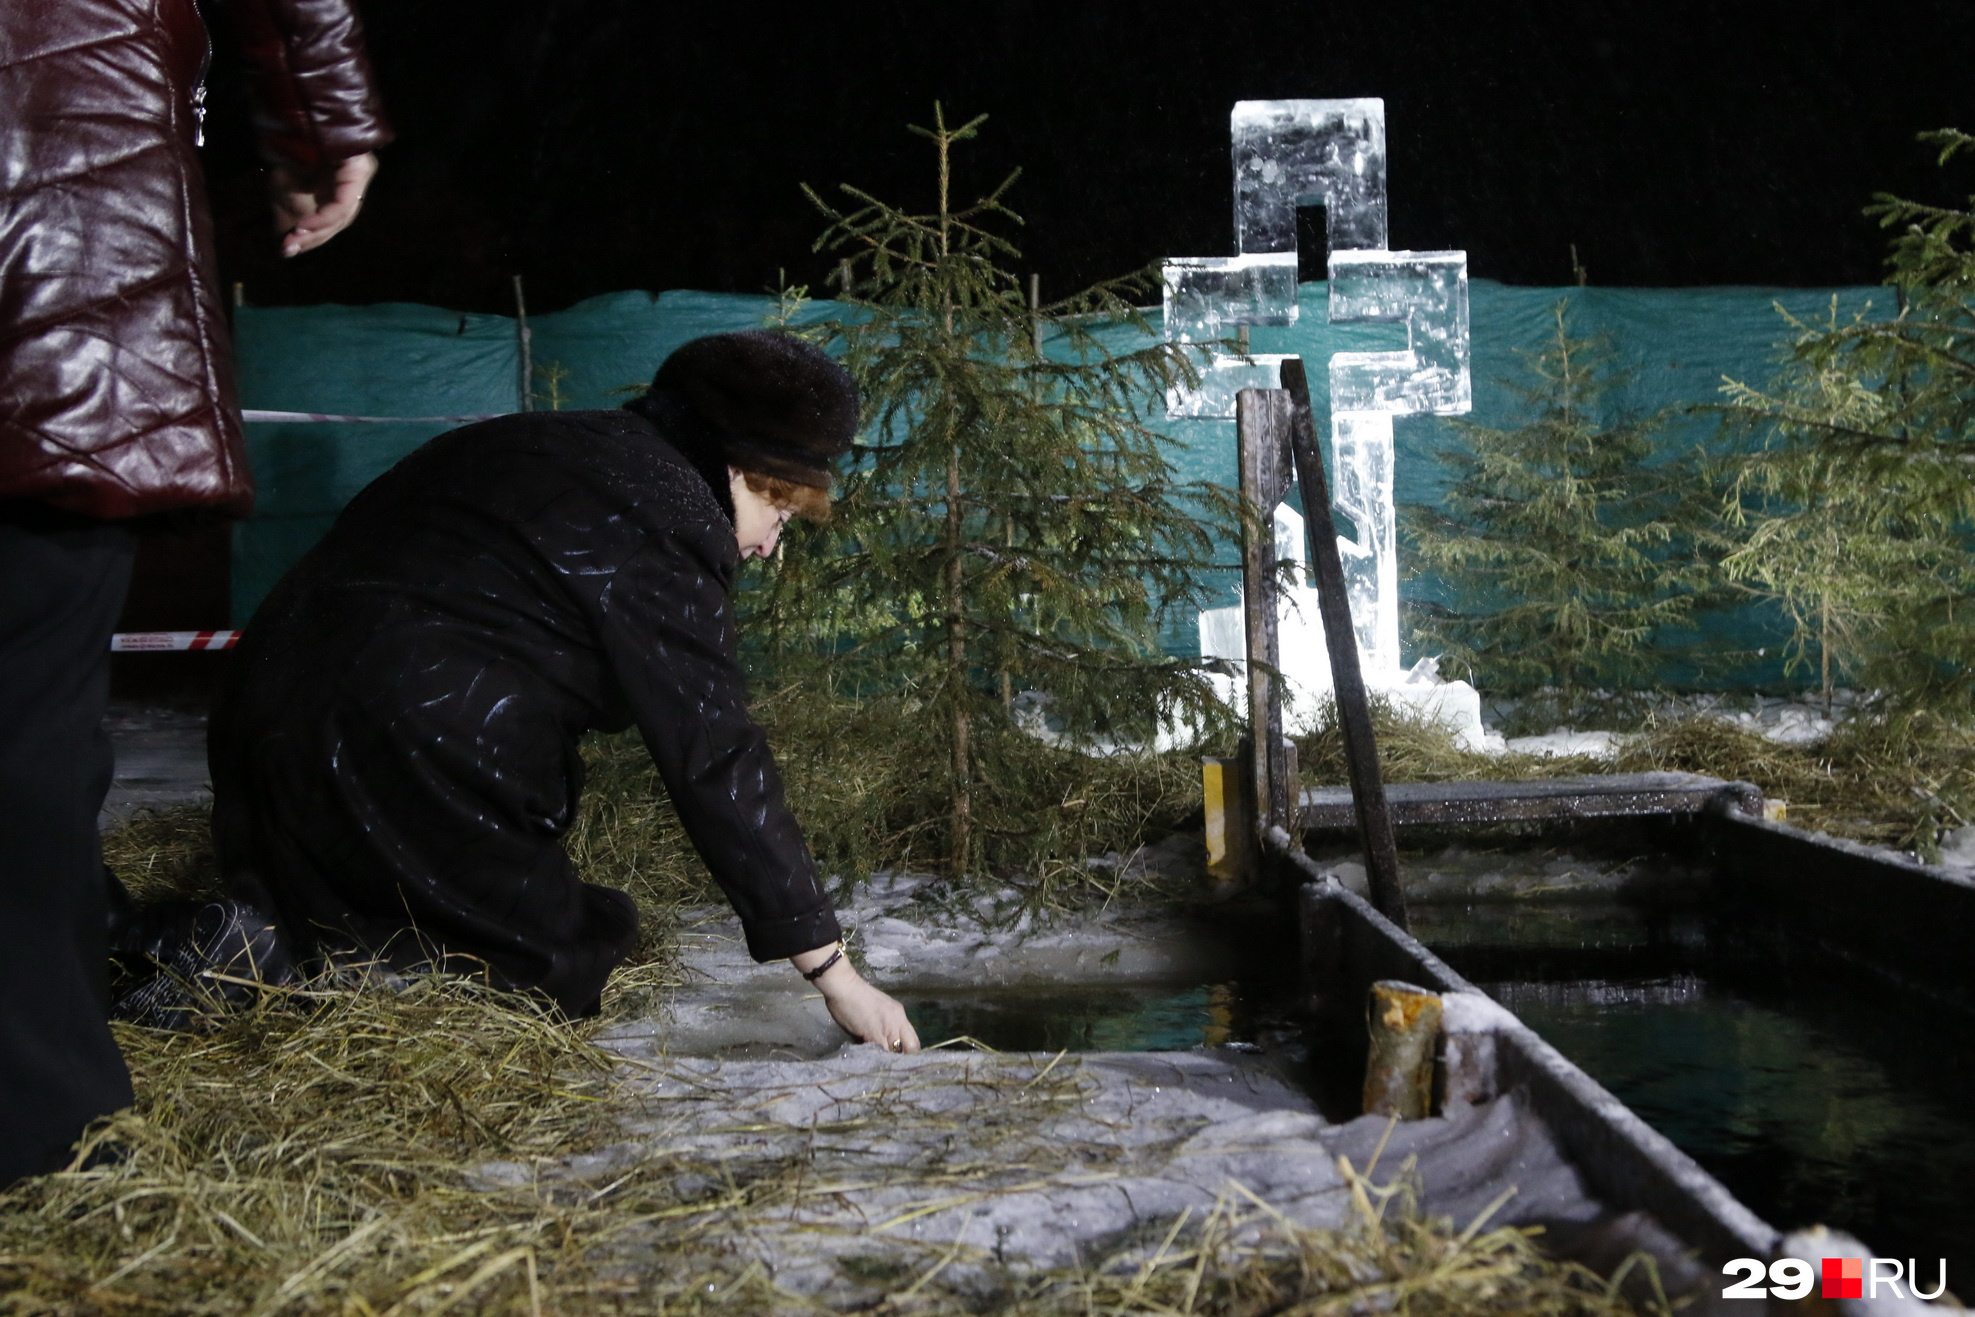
[(597, 145)]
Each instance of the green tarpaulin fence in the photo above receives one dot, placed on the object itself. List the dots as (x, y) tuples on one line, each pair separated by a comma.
[(1675, 346)]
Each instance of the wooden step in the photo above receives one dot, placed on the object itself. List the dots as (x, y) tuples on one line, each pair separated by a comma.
[(1599, 796)]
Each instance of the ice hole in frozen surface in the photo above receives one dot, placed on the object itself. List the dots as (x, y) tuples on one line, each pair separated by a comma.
[(1099, 1018), (978, 961), (1812, 1089)]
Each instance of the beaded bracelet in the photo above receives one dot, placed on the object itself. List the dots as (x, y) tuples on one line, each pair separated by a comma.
[(814, 974)]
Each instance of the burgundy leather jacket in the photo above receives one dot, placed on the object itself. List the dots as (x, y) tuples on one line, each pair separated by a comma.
[(116, 387)]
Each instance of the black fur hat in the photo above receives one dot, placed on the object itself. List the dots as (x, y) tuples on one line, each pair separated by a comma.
[(776, 404)]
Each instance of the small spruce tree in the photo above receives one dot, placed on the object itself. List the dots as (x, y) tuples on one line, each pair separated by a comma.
[(1856, 510), (1012, 525), (1833, 553), (1565, 549)]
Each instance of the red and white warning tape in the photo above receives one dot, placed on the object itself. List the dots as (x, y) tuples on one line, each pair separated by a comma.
[(124, 642)]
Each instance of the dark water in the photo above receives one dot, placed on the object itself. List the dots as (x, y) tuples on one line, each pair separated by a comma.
[(1140, 1018), (1812, 1091)]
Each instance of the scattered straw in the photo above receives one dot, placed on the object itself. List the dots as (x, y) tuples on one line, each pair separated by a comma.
[(857, 778), (1245, 1260), (368, 1154), (1416, 748), (1895, 783), (164, 853), (311, 1157)]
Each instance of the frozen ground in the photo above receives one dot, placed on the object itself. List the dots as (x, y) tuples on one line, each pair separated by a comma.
[(870, 1172), (161, 760), (907, 934)]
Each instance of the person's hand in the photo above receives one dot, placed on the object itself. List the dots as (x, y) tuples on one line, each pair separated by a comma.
[(859, 1009), (310, 213), (865, 1013)]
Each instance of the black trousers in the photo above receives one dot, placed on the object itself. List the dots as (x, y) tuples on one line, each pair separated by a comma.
[(62, 583)]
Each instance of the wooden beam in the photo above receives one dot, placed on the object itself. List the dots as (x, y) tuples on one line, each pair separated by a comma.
[(1354, 716), (1262, 430), (1561, 799)]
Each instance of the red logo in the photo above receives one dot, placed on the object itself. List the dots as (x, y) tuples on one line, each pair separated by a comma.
[(1844, 1278)]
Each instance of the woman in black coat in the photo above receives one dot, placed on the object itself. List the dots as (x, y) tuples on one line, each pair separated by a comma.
[(395, 759)]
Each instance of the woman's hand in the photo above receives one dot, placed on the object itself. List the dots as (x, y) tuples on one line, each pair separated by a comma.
[(308, 213), (859, 1009)]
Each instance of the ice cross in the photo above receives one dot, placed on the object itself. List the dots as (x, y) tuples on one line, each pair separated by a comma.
[(1288, 154)]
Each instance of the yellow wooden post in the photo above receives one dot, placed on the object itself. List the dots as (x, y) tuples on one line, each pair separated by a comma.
[(1230, 822)]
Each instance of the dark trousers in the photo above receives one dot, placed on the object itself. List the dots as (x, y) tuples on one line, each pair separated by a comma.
[(62, 583)]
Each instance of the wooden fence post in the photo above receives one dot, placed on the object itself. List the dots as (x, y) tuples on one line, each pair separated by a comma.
[(1262, 418), (1405, 1024)]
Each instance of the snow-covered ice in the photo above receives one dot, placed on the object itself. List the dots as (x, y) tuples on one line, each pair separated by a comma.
[(1562, 742), (981, 1167)]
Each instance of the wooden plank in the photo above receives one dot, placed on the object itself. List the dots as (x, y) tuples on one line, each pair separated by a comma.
[(1261, 426), (1231, 832), (1610, 795), (1354, 716), (1904, 922)]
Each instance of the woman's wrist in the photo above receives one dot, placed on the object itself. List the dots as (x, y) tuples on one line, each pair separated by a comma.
[(825, 966)]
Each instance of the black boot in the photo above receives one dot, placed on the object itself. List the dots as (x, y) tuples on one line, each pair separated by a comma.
[(185, 960)]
